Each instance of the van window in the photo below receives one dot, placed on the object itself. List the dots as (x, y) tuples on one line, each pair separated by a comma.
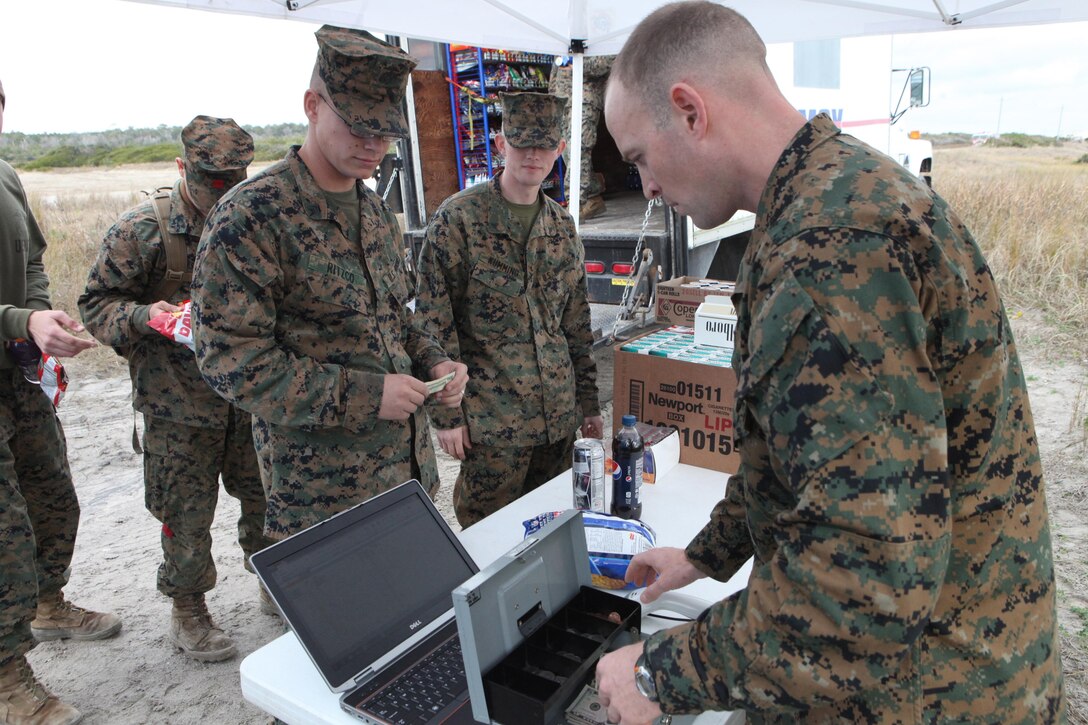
[(816, 63)]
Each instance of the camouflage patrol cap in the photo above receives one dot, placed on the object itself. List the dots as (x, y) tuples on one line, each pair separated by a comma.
[(532, 119), (216, 145), (217, 152), (366, 80)]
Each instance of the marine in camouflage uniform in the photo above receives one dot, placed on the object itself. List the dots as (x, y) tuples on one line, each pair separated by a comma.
[(39, 511), (595, 70), (882, 412), (890, 487), (191, 435), (299, 302), (503, 286)]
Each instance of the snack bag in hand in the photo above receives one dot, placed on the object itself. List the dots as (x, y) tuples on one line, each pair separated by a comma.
[(612, 543), (176, 325), (52, 378)]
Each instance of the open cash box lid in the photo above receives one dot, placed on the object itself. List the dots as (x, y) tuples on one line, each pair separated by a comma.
[(513, 597), (506, 603)]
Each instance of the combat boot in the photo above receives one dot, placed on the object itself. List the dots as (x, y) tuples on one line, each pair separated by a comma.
[(193, 632), (591, 207), (596, 184), (24, 701), (58, 618)]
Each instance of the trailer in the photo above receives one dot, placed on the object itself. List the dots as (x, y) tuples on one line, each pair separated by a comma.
[(852, 80), (634, 243)]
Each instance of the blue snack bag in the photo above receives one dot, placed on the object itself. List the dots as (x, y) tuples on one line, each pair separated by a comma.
[(612, 543)]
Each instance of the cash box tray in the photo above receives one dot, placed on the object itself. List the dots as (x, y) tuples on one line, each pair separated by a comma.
[(532, 628)]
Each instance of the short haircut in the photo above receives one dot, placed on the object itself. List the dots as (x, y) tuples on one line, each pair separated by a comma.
[(686, 40)]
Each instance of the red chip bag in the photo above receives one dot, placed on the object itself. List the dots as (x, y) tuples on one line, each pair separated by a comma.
[(176, 325), (52, 378)]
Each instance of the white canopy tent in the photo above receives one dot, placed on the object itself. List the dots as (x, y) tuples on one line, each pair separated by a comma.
[(549, 26), (599, 27)]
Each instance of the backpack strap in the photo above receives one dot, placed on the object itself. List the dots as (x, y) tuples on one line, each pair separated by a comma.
[(177, 258)]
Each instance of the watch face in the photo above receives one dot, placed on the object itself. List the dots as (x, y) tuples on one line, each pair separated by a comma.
[(644, 681)]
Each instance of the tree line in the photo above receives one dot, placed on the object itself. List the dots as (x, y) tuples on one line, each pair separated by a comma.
[(38, 151)]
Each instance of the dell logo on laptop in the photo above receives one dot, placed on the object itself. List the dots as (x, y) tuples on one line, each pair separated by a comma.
[(415, 625)]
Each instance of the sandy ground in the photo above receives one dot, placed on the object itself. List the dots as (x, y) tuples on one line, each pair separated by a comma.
[(138, 678)]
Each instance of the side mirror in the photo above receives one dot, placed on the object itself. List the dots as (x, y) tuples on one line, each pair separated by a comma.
[(919, 87), (915, 91)]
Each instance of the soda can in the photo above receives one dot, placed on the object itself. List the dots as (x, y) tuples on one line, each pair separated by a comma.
[(588, 472)]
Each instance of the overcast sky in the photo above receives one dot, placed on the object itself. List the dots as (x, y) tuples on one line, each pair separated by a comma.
[(89, 65)]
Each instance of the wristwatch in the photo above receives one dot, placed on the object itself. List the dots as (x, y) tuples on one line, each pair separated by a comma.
[(644, 679)]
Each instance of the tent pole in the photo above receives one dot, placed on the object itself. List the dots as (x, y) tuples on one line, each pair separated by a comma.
[(574, 193)]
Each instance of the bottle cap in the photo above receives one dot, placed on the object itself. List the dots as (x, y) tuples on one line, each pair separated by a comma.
[(629, 420)]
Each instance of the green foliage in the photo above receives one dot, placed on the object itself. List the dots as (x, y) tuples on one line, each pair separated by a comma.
[(1082, 615), (1082, 160), (141, 154), (1014, 140), (948, 139), (1021, 140), (59, 157), (129, 146), (69, 156), (275, 149)]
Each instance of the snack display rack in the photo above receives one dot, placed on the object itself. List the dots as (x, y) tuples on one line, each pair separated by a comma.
[(477, 75)]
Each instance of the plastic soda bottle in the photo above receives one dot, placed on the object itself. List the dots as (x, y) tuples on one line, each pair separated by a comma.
[(627, 451)]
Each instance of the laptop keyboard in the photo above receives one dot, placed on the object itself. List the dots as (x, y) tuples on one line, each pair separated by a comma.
[(423, 690)]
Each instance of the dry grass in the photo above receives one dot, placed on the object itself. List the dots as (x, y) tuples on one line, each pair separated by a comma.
[(1027, 209), (74, 227)]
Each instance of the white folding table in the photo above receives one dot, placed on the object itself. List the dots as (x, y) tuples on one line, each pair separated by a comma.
[(280, 679)]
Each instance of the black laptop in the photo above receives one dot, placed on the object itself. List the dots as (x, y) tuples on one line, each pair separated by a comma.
[(367, 593)]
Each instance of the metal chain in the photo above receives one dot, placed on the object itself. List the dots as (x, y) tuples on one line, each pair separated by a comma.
[(638, 248), (656, 201), (389, 186)]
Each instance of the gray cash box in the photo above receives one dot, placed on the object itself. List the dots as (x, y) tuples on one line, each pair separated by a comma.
[(532, 627)]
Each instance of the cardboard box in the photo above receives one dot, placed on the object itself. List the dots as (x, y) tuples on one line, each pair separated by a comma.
[(692, 396), (678, 298), (662, 450), (716, 322)]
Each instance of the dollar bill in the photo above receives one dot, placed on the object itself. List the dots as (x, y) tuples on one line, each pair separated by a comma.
[(433, 386), (586, 709)]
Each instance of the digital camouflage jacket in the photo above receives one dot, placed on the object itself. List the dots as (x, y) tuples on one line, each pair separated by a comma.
[(114, 306), (890, 486), (299, 326), (517, 316)]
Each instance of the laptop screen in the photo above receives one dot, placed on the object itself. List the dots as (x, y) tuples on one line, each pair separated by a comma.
[(357, 585)]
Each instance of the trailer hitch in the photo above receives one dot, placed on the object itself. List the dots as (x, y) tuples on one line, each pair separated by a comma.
[(643, 274), (641, 287)]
